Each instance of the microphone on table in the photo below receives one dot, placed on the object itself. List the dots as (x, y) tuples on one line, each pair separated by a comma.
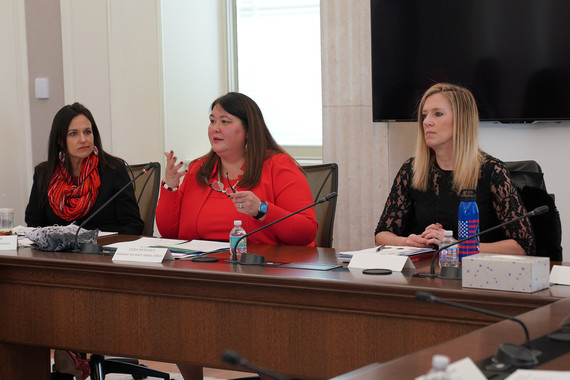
[(253, 259), (564, 333), (94, 248), (233, 358), (454, 273), (508, 354)]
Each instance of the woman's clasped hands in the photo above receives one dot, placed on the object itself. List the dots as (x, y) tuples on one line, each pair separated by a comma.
[(432, 235)]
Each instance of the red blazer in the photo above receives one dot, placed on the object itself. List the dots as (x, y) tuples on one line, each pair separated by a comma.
[(198, 212)]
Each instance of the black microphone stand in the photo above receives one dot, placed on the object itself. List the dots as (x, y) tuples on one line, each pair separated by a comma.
[(454, 273), (94, 248), (253, 259), (233, 358), (507, 354)]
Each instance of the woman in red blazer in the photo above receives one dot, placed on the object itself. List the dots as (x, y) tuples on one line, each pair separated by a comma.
[(246, 176)]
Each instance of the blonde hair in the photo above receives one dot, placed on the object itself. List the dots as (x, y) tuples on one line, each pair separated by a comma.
[(467, 157)]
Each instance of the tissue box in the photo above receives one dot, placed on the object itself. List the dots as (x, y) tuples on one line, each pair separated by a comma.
[(506, 272)]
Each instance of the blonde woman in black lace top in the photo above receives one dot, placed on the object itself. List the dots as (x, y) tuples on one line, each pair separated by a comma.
[(424, 199)]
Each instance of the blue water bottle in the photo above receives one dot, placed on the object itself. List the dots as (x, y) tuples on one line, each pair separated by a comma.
[(468, 218)]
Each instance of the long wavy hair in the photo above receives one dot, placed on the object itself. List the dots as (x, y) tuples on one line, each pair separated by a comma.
[(259, 144), (467, 157)]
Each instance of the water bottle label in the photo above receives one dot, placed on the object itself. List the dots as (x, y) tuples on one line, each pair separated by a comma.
[(468, 228), (242, 246), (443, 258), (448, 257)]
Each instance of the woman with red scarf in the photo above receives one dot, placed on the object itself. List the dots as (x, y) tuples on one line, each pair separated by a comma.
[(79, 177)]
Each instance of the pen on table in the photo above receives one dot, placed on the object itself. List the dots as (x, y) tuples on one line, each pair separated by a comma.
[(198, 254), (380, 247)]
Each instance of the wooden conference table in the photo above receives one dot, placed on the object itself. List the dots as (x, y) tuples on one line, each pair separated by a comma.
[(302, 323), (477, 345)]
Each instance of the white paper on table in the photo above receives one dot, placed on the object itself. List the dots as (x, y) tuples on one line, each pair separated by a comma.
[(536, 374), (106, 233), (346, 256), (146, 242), (560, 275), (465, 369), (374, 260), (204, 245)]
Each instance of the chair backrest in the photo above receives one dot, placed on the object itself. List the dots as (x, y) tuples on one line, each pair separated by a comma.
[(323, 180), (529, 180), (147, 188), (526, 173)]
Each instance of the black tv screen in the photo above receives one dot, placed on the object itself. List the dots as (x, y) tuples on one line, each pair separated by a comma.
[(514, 55)]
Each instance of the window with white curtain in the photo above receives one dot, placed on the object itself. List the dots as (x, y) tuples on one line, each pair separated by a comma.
[(279, 66)]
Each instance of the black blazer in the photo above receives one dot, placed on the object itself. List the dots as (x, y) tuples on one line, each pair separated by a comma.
[(121, 215)]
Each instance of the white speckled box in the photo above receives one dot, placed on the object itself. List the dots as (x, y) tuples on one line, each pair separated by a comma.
[(506, 272)]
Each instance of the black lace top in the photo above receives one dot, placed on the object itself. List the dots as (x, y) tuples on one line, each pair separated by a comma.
[(409, 211)]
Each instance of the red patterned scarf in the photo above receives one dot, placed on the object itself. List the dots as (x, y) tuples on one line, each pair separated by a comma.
[(68, 200)]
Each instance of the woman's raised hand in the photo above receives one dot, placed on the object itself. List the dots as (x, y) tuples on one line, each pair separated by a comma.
[(172, 173)]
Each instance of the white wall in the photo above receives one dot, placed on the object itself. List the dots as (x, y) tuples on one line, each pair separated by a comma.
[(15, 140), (148, 70), (350, 138), (194, 59), (112, 64), (43, 37)]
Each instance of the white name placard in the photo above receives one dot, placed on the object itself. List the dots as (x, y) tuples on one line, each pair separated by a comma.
[(142, 254), (8, 242), (560, 275), (374, 260)]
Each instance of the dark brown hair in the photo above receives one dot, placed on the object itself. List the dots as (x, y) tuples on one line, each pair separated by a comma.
[(259, 143), (58, 143)]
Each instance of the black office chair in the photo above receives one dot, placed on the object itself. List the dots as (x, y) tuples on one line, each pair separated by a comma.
[(101, 366), (526, 173), (147, 188), (529, 180), (323, 180)]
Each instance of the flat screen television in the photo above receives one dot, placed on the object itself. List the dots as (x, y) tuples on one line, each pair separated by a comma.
[(514, 55)]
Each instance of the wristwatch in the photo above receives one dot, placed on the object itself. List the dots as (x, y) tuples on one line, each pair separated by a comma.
[(262, 210)]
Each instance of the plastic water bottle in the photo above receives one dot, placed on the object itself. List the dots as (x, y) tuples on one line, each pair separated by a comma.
[(468, 223), (448, 257), (236, 233), (438, 369)]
